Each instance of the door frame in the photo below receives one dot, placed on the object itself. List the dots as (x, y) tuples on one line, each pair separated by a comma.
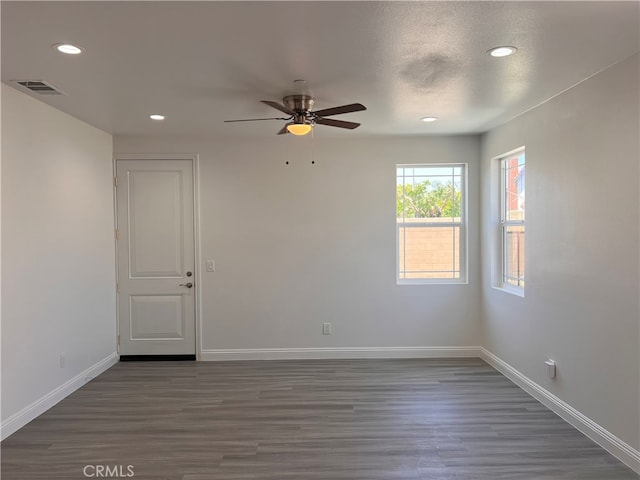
[(195, 161)]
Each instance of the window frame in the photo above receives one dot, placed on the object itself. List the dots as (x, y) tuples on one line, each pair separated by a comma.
[(505, 223), (462, 224)]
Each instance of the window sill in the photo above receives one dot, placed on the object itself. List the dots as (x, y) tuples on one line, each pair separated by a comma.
[(518, 292), (402, 283)]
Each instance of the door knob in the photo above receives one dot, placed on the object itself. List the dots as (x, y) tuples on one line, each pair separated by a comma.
[(188, 285)]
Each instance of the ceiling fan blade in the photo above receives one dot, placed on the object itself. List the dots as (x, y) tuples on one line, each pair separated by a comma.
[(277, 106), (256, 119), (283, 131), (337, 123), (352, 107)]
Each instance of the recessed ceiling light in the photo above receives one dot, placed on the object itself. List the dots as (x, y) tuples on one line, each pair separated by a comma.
[(67, 48), (502, 51), (428, 119), (155, 116)]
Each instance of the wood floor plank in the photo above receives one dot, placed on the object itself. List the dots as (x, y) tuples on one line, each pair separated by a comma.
[(409, 419)]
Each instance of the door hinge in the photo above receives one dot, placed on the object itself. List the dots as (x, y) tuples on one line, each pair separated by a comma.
[(118, 340), (115, 181), (117, 287), (117, 235)]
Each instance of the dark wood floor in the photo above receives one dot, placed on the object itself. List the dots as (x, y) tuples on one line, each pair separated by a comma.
[(297, 420)]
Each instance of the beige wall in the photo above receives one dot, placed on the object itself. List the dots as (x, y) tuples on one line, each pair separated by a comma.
[(58, 275), (582, 282), (300, 244)]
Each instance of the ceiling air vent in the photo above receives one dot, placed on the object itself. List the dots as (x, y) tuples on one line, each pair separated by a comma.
[(39, 86)]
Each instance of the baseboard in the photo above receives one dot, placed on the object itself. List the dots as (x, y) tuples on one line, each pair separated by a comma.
[(618, 448), (24, 416), (337, 353)]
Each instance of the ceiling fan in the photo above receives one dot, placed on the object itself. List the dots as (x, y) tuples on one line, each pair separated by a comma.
[(302, 118)]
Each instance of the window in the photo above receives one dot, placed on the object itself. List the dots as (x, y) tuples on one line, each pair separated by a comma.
[(512, 207), (431, 233)]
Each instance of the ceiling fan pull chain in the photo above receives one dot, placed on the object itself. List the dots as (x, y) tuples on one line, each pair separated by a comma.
[(313, 143)]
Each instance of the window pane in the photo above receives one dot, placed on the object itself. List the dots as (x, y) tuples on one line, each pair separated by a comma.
[(514, 170), (514, 255), (429, 252), (429, 193)]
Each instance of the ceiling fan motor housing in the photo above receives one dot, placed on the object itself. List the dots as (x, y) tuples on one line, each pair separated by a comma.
[(299, 103)]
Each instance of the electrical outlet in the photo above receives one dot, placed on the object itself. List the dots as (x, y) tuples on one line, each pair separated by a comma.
[(62, 360), (211, 266), (551, 368), (326, 328)]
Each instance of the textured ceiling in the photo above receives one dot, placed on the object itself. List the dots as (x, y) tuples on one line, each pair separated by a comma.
[(200, 63)]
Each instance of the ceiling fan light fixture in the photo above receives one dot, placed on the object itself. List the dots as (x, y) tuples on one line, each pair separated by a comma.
[(299, 128)]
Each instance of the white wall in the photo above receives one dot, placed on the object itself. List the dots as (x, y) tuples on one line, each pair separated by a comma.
[(298, 245), (581, 300), (57, 251)]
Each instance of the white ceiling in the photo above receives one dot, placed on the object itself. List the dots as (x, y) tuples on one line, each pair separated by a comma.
[(200, 63)]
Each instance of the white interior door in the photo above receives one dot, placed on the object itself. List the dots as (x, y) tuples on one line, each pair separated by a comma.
[(156, 278)]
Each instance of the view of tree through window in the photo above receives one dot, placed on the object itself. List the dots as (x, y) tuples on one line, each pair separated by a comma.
[(430, 223), (428, 199)]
